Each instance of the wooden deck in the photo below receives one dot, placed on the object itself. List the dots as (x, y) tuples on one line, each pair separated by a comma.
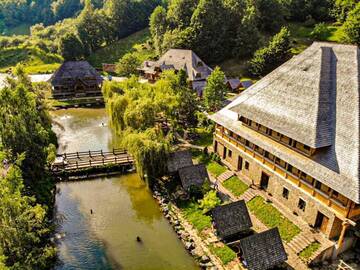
[(83, 161)]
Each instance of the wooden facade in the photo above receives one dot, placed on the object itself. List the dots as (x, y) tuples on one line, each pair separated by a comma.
[(76, 79)]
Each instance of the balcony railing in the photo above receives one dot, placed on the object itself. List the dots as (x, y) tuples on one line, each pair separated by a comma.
[(324, 198)]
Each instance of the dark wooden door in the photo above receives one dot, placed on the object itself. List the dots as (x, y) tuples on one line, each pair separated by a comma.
[(264, 183), (240, 162)]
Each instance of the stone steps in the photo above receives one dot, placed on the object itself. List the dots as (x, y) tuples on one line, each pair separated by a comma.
[(225, 176), (300, 242), (248, 195)]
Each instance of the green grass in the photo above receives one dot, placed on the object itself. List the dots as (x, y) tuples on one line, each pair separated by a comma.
[(205, 137), (224, 253), (112, 53), (35, 60), (195, 216), (272, 218), (235, 186), (309, 250), (215, 168), (301, 35)]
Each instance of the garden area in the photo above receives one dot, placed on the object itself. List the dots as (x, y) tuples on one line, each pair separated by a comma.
[(271, 217), (235, 186)]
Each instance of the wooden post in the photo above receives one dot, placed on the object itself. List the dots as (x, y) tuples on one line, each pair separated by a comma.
[(77, 154), (77, 165), (90, 162), (90, 154), (102, 152), (345, 225), (115, 160)]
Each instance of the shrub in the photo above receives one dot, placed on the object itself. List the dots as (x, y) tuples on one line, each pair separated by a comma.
[(320, 32), (210, 201)]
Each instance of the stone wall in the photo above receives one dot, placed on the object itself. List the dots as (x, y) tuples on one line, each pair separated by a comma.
[(276, 185)]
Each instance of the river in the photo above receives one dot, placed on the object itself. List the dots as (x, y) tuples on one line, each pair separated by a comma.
[(123, 209)]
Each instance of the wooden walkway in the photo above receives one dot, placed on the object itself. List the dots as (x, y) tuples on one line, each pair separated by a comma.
[(83, 161)]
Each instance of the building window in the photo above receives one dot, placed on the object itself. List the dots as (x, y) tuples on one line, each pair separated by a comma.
[(302, 205), (318, 185), (285, 193), (229, 153), (247, 165), (335, 193), (307, 148)]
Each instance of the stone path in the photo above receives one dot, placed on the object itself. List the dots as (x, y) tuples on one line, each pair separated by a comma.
[(225, 176)]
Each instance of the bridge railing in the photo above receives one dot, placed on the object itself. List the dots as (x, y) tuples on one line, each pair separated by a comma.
[(80, 154)]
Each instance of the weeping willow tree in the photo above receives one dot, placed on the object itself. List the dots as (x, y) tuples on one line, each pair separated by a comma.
[(137, 112), (149, 149)]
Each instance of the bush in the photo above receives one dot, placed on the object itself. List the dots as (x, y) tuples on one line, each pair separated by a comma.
[(210, 201), (320, 32)]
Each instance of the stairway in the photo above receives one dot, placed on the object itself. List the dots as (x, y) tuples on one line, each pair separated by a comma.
[(300, 242), (225, 176), (248, 195)]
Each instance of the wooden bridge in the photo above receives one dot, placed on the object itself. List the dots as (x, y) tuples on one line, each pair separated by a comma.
[(78, 163)]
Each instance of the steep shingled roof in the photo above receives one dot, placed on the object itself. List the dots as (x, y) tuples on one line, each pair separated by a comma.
[(72, 71), (178, 160), (178, 59), (313, 98), (193, 175), (263, 250), (231, 219)]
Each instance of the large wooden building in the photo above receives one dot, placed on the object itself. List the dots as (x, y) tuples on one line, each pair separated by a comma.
[(295, 133), (76, 79), (177, 59)]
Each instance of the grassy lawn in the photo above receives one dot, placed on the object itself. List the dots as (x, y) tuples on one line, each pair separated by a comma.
[(309, 250), (215, 168), (195, 216), (301, 35), (272, 218), (205, 139), (224, 253), (35, 60), (235, 186), (112, 53)]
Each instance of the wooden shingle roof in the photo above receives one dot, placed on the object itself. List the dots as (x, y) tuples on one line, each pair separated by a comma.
[(72, 71), (263, 250), (231, 219), (193, 175), (313, 98), (178, 160)]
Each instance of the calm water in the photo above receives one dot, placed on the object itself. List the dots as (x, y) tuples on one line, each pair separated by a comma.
[(122, 209)]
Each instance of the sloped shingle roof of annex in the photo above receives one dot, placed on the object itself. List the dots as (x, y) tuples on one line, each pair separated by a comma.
[(181, 59), (75, 70), (193, 175), (178, 160), (234, 83), (263, 250), (336, 165), (231, 219)]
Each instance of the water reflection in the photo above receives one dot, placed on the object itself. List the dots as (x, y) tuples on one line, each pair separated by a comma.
[(123, 209)]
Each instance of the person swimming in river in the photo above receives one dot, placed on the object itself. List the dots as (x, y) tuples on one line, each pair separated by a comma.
[(91, 211), (138, 239)]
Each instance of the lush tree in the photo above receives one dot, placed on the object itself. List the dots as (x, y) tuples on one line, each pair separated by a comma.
[(128, 64), (179, 13), (215, 90), (342, 9), (24, 228), (352, 26), (25, 127), (178, 39), (272, 56), (270, 14), (70, 47), (158, 26), (210, 30), (247, 38)]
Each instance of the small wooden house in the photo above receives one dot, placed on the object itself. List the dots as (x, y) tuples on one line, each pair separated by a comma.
[(263, 251), (76, 79), (232, 220), (194, 175)]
